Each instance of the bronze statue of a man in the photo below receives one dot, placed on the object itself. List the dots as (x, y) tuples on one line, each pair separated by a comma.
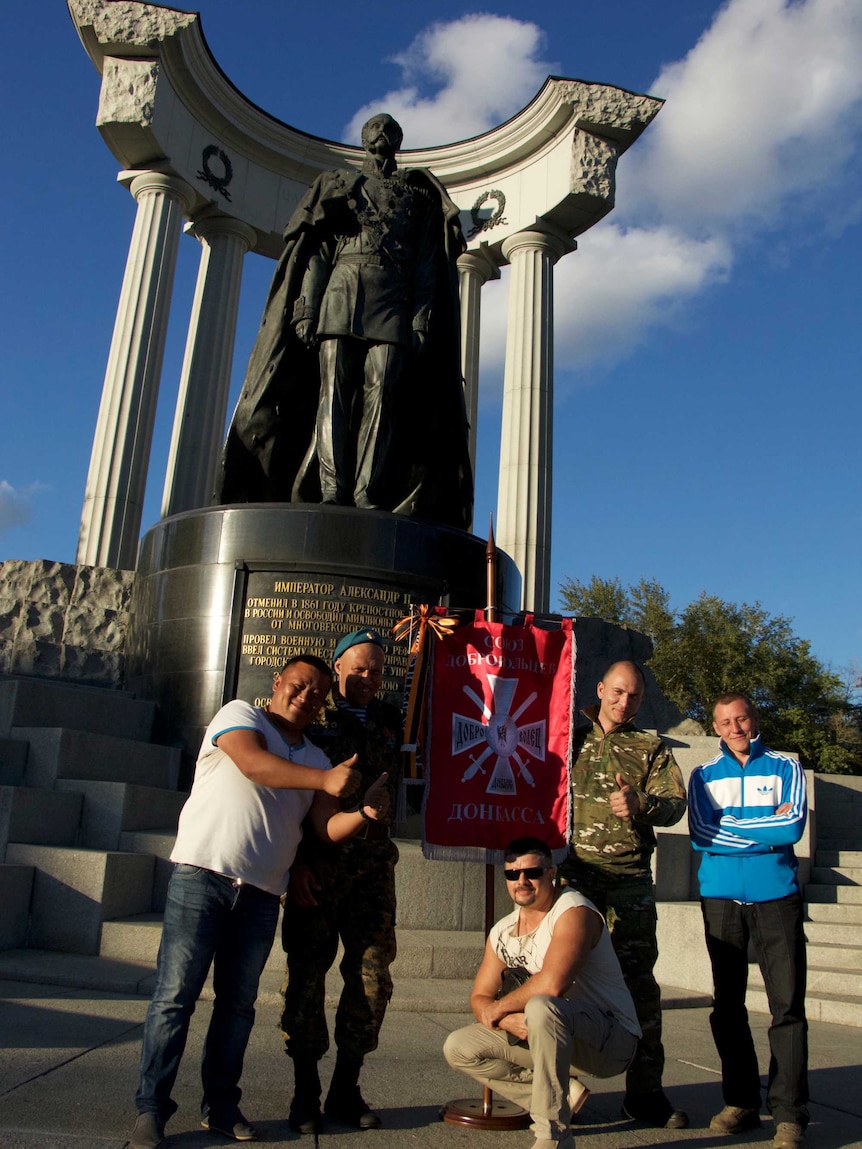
[(353, 392)]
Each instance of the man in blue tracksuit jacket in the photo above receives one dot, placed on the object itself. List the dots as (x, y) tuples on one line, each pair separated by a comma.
[(746, 809)]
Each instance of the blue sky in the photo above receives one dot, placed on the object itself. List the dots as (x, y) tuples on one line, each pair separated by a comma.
[(708, 367)]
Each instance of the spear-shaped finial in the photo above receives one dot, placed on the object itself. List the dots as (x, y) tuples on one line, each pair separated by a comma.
[(491, 575)]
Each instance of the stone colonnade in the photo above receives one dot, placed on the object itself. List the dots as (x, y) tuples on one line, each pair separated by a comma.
[(193, 147), (113, 503)]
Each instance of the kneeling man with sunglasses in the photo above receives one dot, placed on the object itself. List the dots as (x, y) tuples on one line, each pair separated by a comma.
[(571, 1012)]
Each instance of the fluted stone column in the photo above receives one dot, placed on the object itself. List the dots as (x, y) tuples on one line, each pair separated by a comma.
[(116, 482), (475, 268), (526, 440), (205, 379)]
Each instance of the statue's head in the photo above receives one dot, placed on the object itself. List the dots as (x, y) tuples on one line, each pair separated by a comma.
[(382, 135)]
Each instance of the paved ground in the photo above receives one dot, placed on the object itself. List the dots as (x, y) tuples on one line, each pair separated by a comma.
[(68, 1062)]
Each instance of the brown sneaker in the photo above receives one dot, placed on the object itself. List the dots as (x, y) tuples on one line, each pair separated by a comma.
[(578, 1094), (148, 1133), (788, 1135), (734, 1119)]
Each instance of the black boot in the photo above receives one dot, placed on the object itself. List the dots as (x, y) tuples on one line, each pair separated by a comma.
[(305, 1115), (344, 1102), (654, 1108)]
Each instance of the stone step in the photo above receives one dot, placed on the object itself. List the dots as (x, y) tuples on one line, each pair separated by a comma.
[(838, 810), (834, 933), (112, 807), (16, 887), (77, 971), (837, 913), (60, 752), (436, 895), (159, 844), (439, 954), (839, 858), (49, 702), (411, 995), (134, 939), (836, 875), (851, 895), (821, 980), (835, 955), (431, 895), (43, 817), (422, 954), (75, 890), (13, 761), (838, 1008)]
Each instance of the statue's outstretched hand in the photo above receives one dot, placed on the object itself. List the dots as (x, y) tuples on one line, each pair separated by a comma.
[(305, 332)]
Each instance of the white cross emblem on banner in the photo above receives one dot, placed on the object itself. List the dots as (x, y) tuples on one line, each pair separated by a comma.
[(498, 731)]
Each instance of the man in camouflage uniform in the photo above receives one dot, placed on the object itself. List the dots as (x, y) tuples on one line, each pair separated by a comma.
[(624, 782), (347, 893)]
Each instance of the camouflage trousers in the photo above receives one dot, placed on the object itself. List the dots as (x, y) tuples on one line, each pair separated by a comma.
[(629, 909), (357, 905)]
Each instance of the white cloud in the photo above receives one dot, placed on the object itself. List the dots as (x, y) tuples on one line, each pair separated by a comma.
[(767, 105), (762, 119), (623, 282), (620, 284), (481, 69), (16, 505)]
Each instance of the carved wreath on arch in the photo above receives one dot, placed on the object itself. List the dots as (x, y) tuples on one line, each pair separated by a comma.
[(219, 182), (479, 224)]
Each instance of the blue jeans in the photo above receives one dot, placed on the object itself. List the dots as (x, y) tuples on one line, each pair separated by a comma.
[(208, 920), (775, 928)]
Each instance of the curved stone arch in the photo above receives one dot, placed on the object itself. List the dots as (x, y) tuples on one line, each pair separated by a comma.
[(165, 101)]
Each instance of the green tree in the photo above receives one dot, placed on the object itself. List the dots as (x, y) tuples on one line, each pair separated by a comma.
[(712, 646)]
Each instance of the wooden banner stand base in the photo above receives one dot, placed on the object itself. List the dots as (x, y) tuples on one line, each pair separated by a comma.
[(486, 1113)]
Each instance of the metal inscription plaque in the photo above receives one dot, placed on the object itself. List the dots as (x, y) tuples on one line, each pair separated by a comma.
[(285, 614)]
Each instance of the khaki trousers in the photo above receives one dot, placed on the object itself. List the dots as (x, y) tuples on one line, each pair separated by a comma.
[(566, 1038)]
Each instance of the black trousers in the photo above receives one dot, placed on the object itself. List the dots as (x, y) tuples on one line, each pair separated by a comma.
[(775, 928)]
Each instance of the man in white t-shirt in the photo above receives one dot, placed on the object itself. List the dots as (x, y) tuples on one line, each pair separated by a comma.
[(256, 778), (572, 1014)]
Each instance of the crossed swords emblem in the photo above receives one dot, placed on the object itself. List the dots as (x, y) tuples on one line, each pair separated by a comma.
[(501, 735)]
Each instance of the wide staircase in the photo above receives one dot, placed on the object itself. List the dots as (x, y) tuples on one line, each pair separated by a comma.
[(833, 899), (87, 822)]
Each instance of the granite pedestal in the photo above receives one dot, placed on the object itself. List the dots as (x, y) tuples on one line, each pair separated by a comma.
[(224, 595)]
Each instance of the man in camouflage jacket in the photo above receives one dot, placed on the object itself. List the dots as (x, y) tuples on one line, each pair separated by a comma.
[(624, 782), (347, 893)]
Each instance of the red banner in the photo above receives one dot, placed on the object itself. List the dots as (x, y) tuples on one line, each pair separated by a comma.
[(499, 744)]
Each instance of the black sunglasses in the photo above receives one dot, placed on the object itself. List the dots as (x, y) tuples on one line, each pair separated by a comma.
[(531, 872)]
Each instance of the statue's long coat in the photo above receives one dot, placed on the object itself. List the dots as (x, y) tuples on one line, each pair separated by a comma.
[(272, 431)]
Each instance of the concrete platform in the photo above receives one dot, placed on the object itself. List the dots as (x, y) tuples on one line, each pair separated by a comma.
[(68, 1072)]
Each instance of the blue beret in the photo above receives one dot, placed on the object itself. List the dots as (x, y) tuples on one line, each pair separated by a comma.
[(356, 638)]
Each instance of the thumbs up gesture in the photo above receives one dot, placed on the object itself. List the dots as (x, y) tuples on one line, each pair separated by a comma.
[(624, 801)]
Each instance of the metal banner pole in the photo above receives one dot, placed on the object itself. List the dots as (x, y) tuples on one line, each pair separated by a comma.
[(490, 1112)]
